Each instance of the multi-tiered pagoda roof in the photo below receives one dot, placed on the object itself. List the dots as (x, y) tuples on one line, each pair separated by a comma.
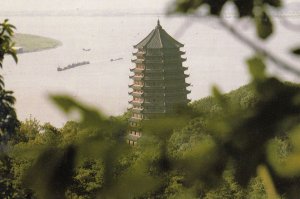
[(158, 77)]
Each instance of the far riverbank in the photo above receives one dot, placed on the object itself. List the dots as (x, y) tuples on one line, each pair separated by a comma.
[(26, 43)]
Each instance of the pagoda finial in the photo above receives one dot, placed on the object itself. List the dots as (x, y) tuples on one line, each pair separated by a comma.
[(158, 23)]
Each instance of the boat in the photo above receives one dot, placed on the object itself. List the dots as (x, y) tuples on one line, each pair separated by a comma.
[(120, 58), (73, 65), (86, 49)]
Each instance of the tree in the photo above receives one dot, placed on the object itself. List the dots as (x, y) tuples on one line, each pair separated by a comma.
[(8, 117)]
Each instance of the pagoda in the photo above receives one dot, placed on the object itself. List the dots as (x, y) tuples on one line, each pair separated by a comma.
[(159, 85)]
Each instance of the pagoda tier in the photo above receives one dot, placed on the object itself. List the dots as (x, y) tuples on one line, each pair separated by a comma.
[(158, 80), (165, 53)]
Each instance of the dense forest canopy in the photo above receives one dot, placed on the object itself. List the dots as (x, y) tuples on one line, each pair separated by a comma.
[(243, 144)]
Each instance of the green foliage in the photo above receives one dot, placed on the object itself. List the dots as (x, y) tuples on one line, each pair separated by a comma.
[(6, 44), (87, 180), (187, 162), (8, 117)]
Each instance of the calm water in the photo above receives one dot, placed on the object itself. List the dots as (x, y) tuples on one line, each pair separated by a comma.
[(213, 57)]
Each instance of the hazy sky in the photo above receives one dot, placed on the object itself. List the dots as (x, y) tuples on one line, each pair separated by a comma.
[(105, 5), (147, 6)]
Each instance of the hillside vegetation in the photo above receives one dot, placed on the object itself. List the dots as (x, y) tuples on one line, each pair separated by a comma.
[(88, 178)]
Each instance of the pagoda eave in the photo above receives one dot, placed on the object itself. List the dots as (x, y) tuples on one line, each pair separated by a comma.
[(136, 94), (137, 61), (134, 119)]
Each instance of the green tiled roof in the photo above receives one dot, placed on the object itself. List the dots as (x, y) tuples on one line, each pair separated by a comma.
[(159, 38)]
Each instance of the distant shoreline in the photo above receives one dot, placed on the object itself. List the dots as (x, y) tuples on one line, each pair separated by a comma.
[(28, 43)]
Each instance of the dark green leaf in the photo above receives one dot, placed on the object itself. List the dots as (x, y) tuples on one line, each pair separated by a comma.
[(14, 55), (221, 100), (52, 173), (244, 7), (186, 6), (216, 6), (264, 25), (256, 68), (296, 51), (89, 116)]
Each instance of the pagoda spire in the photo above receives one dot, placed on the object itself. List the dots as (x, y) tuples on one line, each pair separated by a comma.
[(158, 23)]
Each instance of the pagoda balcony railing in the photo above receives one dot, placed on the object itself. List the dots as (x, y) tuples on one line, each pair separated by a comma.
[(137, 61), (136, 94), (165, 93), (136, 134), (136, 86), (162, 103), (184, 85), (184, 68), (137, 70), (149, 94), (176, 102), (139, 53), (134, 102), (154, 78), (133, 137), (166, 69), (136, 76), (163, 60), (169, 77), (136, 110), (135, 119), (177, 85), (154, 111), (155, 87), (174, 60), (154, 61), (151, 70), (164, 54)]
